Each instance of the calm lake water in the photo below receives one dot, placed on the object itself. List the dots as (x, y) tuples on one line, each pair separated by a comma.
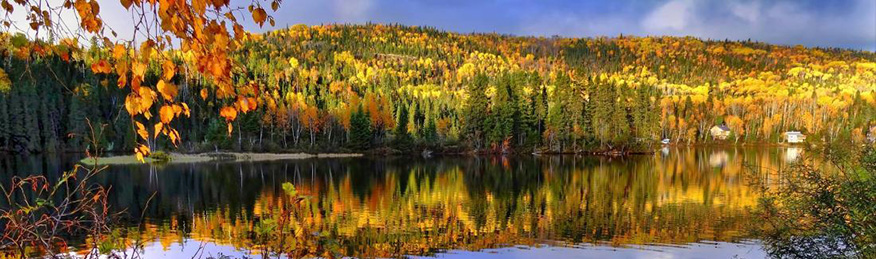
[(677, 203)]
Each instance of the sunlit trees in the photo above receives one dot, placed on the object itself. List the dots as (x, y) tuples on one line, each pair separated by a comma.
[(484, 92)]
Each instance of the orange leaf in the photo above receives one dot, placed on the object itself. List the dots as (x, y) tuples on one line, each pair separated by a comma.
[(169, 69), (101, 67), (199, 6), (204, 94), (229, 113), (141, 130), (132, 105), (259, 15), (230, 128), (166, 114), (119, 51), (167, 90)]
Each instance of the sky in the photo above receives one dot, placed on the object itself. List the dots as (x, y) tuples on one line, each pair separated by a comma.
[(824, 23)]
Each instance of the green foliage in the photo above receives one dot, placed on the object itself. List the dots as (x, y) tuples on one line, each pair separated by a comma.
[(819, 214), (475, 110), (401, 138), (360, 131), (289, 189), (160, 156), (217, 134)]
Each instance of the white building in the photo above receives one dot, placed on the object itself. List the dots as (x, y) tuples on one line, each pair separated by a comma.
[(794, 137)]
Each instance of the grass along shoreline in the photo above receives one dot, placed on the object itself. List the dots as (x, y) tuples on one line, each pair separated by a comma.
[(213, 156)]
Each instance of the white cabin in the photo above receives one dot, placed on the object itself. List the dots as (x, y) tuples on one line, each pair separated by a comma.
[(794, 137)]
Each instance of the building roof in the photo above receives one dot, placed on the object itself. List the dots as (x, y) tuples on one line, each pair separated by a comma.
[(793, 133), (723, 127)]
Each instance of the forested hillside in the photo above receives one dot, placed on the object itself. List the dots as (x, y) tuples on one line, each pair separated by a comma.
[(365, 87)]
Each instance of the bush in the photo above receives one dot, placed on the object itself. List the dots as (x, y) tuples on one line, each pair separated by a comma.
[(818, 214), (160, 156)]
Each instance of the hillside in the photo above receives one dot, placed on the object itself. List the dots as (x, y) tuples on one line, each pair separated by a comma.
[(362, 87)]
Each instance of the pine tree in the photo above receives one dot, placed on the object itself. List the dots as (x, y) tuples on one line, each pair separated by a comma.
[(77, 130), (475, 110), (217, 135), (502, 112), (360, 131), (602, 99), (47, 121), (401, 138), (620, 119)]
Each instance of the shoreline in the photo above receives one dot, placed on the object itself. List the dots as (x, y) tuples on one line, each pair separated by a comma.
[(180, 158)]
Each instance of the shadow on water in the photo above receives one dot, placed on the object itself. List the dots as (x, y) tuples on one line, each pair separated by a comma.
[(676, 202)]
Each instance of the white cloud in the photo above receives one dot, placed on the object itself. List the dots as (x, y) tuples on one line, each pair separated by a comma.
[(352, 10), (673, 15), (569, 24), (749, 12)]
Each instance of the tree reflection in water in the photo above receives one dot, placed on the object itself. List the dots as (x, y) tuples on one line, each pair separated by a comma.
[(393, 207)]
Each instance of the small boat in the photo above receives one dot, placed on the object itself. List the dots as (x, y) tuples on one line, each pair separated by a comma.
[(665, 141)]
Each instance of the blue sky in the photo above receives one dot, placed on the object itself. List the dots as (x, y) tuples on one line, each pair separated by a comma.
[(847, 24)]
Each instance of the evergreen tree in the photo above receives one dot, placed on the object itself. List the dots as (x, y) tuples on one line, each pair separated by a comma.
[(77, 130), (620, 119), (602, 100), (360, 131), (500, 120), (430, 132), (401, 138), (475, 110), (217, 135)]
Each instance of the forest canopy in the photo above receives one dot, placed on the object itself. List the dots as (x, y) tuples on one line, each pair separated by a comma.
[(374, 86)]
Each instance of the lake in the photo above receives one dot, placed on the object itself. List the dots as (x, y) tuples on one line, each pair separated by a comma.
[(676, 203)]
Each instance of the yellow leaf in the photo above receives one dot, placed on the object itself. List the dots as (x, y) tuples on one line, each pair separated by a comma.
[(167, 90), (141, 130), (169, 69), (186, 109), (138, 69), (147, 97), (166, 114), (140, 157), (132, 105), (174, 136), (158, 127)]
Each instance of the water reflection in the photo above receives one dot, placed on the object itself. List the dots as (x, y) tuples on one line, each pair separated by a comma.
[(368, 208)]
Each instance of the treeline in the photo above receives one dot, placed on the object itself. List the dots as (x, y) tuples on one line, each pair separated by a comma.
[(366, 87)]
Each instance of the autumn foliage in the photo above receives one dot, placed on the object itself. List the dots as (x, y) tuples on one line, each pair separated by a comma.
[(302, 87)]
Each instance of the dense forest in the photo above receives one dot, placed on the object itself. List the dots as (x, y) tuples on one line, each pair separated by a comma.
[(399, 88)]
